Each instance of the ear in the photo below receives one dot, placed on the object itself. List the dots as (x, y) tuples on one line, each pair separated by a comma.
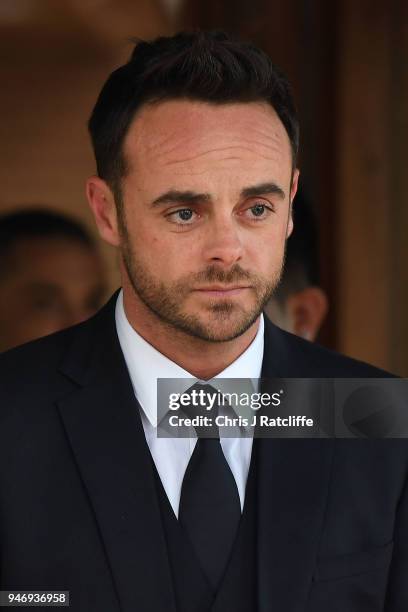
[(307, 310), (293, 190), (102, 204)]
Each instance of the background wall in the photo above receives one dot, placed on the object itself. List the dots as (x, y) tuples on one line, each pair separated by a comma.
[(347, 62), (54, 58)]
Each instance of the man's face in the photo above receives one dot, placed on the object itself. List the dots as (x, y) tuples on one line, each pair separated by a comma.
[(47, 285), (206, 212)]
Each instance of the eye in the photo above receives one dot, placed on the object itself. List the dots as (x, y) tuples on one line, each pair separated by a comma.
[(258, 211), (183, 216)]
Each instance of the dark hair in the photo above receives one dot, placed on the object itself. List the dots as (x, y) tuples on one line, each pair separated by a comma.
[(39, 223), (301, 268), (206, 66)]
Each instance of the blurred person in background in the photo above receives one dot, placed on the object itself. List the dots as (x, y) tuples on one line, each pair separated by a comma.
[(299, 305), (51, 275)]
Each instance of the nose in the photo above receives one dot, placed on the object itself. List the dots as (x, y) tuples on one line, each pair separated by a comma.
[(223, 244)]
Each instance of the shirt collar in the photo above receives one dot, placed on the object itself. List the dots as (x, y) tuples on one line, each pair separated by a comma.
[(146, 364)]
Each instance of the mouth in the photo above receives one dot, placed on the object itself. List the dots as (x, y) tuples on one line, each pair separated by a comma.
[(222, 291)]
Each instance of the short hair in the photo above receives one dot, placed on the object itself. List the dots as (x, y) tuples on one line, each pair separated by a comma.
[(301, 268), (39, 223), (207, 66)]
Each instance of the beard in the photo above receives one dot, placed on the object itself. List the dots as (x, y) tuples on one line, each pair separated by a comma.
[(221, 319)]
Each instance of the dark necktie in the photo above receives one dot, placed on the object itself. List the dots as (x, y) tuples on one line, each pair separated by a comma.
[(210, 508)]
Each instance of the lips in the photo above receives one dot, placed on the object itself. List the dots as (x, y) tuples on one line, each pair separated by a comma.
[(222, 291), (222, 288)]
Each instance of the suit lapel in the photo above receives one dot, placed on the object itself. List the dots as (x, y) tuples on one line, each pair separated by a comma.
[(293, 481), (102, 421)]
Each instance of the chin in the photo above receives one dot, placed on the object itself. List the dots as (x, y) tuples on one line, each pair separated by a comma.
[(225, 328)]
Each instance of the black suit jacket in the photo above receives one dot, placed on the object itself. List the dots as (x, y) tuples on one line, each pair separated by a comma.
[(79, 511)]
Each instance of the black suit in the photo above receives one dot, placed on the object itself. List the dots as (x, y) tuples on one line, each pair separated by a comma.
[(78, 499)]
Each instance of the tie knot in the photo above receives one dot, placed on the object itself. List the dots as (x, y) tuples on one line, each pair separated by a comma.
[(204, 408)]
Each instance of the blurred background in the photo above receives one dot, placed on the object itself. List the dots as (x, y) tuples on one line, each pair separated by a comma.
[(347, 62)]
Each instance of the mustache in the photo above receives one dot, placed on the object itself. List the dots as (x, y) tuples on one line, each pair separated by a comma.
[(214, 274)]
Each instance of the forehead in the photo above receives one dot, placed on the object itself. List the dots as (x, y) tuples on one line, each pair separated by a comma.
[(184, 135)]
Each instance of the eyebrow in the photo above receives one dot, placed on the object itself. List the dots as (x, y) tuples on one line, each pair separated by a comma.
[(263, 189), (190, 197), (181, 197)]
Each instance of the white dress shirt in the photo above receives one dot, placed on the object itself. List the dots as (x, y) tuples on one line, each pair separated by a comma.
[(171, 455)]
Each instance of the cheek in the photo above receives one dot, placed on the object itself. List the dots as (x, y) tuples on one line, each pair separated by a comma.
[(266, 250), (166, 255)]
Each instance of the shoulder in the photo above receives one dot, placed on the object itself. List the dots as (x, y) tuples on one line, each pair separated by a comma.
[(29, 363), (33, 380), (37, 361), (297, 357), (30, 383)]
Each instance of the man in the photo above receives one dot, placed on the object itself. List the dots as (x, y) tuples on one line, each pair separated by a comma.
[(51, 275), (299, 304), (195, 141)]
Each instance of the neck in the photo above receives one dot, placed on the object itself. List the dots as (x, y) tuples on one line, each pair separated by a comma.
[(203, 359)]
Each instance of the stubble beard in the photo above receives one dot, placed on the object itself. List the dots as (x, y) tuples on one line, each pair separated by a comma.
[(226, 319)]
